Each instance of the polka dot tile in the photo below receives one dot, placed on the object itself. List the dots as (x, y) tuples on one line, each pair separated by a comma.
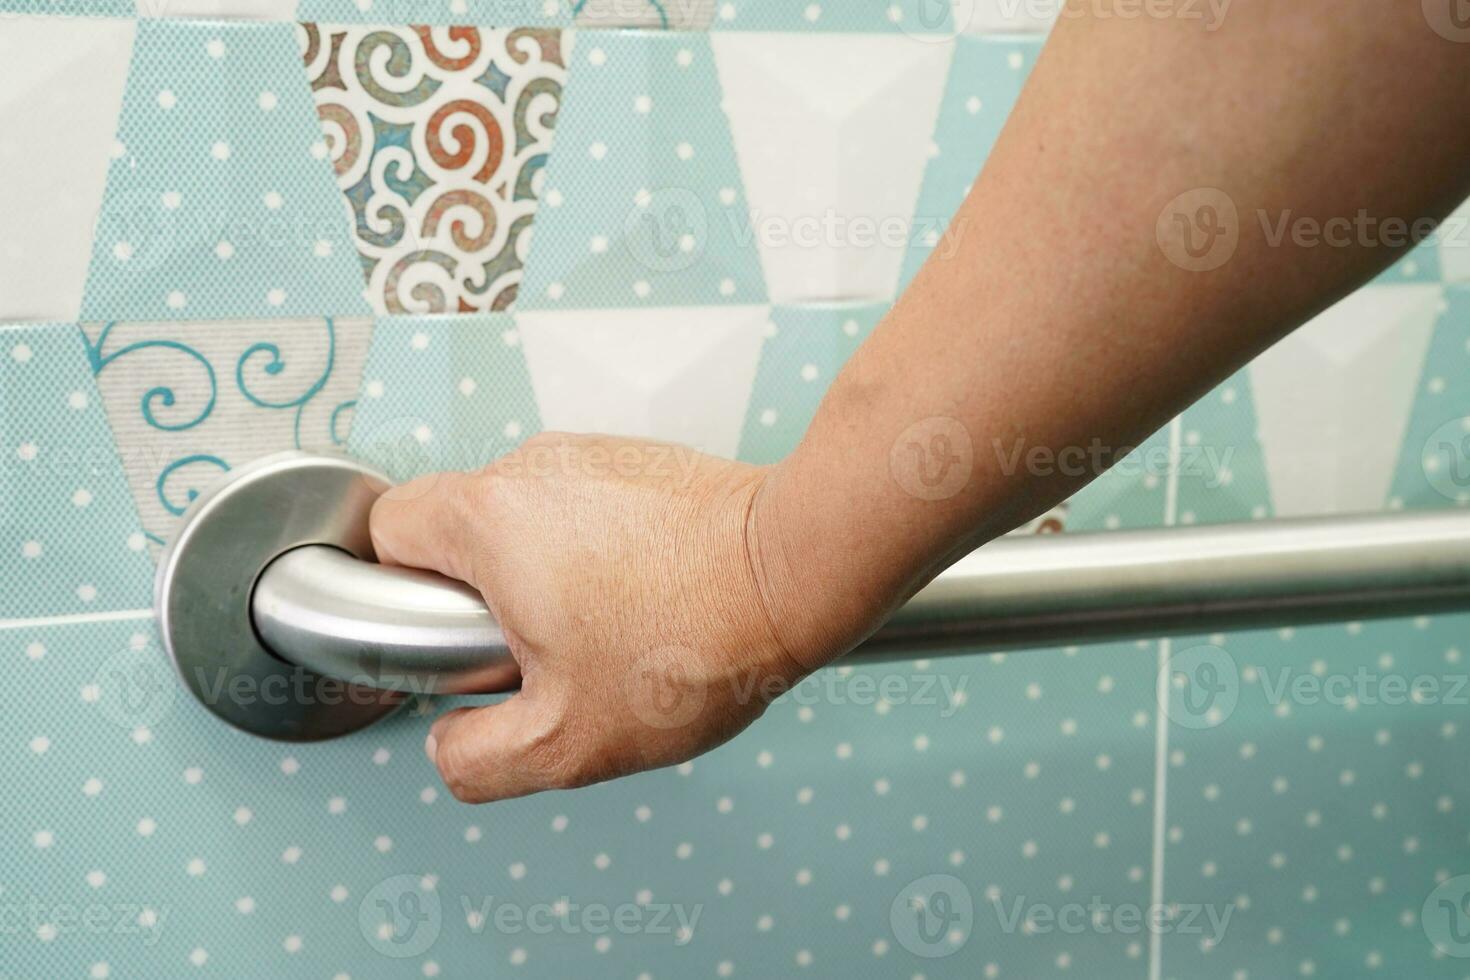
[(642, 202), (70, 8), (443, 393), (1221, 467), (985, 80), (1314, 800), (1434, 464), (500, 13), (794, 841), (869, 16), (72, 542), (1132, 494), (222, 198), (804, 350)]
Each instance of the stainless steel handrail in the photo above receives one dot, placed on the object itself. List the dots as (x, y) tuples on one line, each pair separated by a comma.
[(340, 616)]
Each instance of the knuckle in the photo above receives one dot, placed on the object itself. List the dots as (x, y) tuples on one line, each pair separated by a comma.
[(555, 756)]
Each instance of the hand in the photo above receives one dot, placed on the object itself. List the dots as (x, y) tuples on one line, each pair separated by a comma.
[(628, 578)]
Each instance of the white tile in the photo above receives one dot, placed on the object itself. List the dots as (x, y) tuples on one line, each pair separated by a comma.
[(61, 88), (1454, 246), (678, 374), (1333, 399), (832, 133)]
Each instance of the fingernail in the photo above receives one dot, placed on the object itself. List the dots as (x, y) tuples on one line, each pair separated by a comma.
[(431, 748)]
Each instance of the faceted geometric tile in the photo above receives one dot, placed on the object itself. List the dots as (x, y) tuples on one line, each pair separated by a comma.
[(219, 9), (917, 17), (805, 348), (70, 540), (1004, 16), (680, 374), (1434, 465), (1454, 246), (438, 136), (1222, 470), (63, 83), (832, 133), (189, 400), (220, 201), (984, 82), (74, 8), (682, 15), (1334, 399), (491, 13), (442, 393), (1317, 803), (644, 206)]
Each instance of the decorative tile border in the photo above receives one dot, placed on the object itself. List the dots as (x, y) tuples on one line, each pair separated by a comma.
[(438, 137), (188, 401)]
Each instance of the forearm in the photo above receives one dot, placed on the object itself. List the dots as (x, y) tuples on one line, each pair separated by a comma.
[(1063, 316)]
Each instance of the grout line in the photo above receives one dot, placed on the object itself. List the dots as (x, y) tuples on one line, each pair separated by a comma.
[(1161, 721), (77, 619), (1161, 787)]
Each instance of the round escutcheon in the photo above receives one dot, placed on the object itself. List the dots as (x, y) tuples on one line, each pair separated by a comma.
[(207, 574)]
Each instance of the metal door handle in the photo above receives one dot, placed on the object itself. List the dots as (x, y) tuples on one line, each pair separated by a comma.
[(272, 573)]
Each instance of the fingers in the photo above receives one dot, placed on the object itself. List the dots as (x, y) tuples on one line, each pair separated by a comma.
[(427, 523), (497, 752)]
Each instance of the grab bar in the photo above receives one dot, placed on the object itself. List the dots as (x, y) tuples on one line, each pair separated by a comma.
[(277, 561)]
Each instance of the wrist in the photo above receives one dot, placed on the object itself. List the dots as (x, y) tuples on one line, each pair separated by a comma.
[(816, 608)]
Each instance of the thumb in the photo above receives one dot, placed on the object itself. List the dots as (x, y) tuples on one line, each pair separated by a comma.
[(427, 523), (496, 752)]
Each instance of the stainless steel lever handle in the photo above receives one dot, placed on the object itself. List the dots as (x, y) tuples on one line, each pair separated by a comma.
[(276, 563)]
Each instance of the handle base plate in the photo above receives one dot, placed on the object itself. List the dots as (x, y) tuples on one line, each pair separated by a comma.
[(207, 576)]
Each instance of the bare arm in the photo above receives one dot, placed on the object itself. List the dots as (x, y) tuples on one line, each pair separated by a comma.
[(1087, 300), (1064, 316)]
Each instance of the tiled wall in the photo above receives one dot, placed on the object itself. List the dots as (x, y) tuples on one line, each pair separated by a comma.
[(322, 228)]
